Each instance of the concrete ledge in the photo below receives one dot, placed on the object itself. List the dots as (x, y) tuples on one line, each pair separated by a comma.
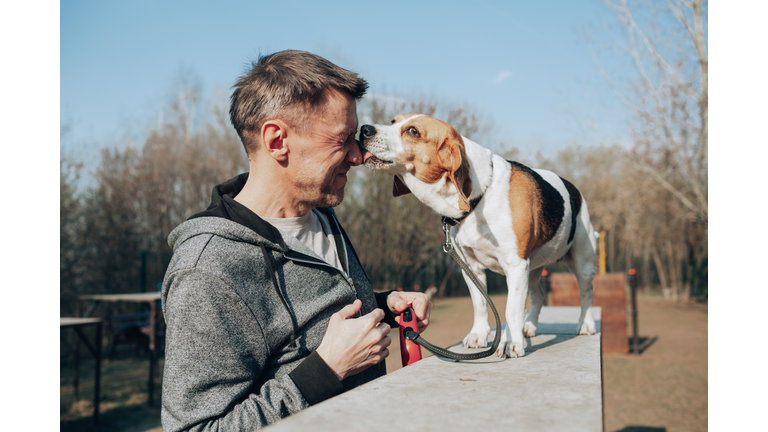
[(557, 386)]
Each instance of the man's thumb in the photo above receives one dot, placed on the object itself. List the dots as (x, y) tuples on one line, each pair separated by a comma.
[(350, 310)]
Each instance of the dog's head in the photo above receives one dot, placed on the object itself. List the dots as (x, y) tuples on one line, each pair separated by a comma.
[(420, 148)]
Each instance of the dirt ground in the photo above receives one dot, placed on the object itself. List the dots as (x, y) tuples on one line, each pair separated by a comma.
[(666, 387), (662, 390)]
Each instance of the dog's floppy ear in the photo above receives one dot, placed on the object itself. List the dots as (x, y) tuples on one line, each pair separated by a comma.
[(399, 187), (455, 159)]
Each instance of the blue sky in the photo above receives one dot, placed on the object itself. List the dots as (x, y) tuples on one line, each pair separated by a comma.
[(522, 65)]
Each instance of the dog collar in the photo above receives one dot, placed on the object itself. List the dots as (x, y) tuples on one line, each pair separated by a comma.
[(472, 205)]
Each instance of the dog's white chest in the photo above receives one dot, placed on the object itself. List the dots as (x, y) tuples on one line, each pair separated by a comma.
[(480, 244)]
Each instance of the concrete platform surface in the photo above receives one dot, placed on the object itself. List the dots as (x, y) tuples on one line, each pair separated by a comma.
[(556, 386)]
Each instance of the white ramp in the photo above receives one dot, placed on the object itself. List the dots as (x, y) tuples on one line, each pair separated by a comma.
[(557, 386)]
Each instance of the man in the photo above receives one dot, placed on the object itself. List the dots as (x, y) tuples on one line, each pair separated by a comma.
[(267, 307)]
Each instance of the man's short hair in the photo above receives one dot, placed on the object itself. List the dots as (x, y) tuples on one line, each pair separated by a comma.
[(286, 85)]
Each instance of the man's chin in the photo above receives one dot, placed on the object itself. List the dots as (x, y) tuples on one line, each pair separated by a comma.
[(337, 198), (331, 198)]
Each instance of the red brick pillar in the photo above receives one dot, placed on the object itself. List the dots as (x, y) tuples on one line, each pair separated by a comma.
[(564, 289), (608, 292)]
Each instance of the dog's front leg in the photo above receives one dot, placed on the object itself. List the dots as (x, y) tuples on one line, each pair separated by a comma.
[(478, 336), (512, 341)]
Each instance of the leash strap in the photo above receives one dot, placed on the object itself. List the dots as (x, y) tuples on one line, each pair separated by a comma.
[(414, 336)]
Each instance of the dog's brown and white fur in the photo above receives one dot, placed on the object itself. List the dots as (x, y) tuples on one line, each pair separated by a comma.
[(513, 220)]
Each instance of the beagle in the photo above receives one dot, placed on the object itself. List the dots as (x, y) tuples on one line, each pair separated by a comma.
[(508, 218)]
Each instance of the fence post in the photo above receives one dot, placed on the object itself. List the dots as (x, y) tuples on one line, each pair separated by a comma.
[(601, 256), (633, 288), (97, 378), (76, 384)]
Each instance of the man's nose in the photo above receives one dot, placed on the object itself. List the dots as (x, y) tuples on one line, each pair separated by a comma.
[(355, 156), (367, 131)]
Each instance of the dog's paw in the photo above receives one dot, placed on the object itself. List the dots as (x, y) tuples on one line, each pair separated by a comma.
[(475, 340), (510, 350), (587, 328), (529, 330)]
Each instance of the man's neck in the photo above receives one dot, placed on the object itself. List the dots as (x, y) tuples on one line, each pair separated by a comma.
[(268, 194)]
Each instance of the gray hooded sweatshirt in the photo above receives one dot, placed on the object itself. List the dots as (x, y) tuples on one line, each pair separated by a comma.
[(242, 327)]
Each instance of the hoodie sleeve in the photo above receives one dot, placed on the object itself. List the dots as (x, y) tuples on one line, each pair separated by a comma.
[(215, 351), (381, 302)]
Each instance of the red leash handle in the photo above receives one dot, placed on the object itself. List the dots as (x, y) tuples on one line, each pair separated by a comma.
[(410, 351)]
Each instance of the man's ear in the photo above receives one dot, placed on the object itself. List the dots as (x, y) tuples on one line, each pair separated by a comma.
[(399, 187), (454, 158), (273, 136)]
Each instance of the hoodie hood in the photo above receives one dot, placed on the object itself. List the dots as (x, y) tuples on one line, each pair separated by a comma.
[(223, 205), (219, 226)]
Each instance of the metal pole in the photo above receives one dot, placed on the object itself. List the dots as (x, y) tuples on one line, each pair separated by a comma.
[(545, 285), (97, 382), (152, 350), (633, 287), (76, 384), (608, 250)]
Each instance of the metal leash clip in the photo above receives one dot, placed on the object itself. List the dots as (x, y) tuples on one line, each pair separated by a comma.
[(447, 230)]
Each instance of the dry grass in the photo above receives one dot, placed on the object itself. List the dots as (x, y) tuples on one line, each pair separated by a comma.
[(664, 389)]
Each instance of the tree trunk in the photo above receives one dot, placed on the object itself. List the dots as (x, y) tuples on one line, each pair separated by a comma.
[(673, 270), (659, 266)]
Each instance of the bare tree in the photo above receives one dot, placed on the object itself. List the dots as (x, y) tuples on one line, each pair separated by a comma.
[(669, 52), (667, 45), (71, 229), (139, 195)]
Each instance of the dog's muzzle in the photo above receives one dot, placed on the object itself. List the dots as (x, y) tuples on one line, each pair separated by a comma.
[(371, 161)]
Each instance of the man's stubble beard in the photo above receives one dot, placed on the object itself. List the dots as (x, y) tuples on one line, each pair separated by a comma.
[(323, 195)]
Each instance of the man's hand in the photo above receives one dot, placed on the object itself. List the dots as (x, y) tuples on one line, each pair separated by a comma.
[(398, 301), (351, 345)]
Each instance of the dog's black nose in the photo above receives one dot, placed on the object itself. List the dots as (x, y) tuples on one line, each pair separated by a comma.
[(367, 131)]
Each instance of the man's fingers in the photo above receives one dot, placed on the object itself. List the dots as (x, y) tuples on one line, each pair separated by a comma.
[(422, 325), (380, 351), (375, 316), (421, 306), (384, 328), (397, 302), (379, 356), (383, 343), (427, 313), (350, 310)]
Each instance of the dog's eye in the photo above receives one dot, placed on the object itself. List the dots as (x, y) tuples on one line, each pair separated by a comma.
[(412, 130), (393, 121)]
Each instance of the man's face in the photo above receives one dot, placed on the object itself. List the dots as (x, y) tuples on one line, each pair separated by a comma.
[(322, 157)]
